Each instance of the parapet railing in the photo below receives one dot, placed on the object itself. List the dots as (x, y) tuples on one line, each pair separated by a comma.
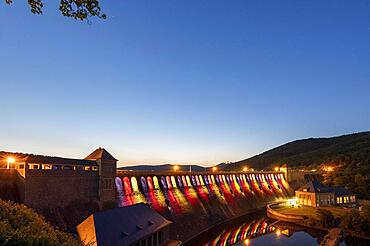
[(182, 172), (279, 216)]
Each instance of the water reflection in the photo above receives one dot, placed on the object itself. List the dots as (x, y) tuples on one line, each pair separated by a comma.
[(258, 230)]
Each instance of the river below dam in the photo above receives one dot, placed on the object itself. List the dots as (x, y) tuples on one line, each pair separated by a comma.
[(257, 229)]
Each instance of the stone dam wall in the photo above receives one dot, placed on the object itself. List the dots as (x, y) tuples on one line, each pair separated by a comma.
[(199, 201)]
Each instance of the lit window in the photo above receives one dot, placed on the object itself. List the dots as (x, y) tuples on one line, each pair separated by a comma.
[(33, 166), (339, 200), (95, 168), (87, 168), (346, 199), (46, 167)]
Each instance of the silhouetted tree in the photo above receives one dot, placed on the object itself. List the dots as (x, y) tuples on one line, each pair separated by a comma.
[(77, 9)]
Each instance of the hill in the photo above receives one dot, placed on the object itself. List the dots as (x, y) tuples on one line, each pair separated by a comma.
[(164, 167), (348, 155), (311, 152)]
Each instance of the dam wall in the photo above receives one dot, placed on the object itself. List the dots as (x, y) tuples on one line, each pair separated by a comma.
[(198, 201)]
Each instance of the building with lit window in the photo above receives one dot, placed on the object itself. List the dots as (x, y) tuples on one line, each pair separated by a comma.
[(315, 194), (132, 225), (48, 181)]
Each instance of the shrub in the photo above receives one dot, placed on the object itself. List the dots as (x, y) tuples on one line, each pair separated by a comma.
[(355, 221), (326, 218), (20, 225)]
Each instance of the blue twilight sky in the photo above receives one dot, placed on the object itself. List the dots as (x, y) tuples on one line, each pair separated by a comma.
[(183, 81)]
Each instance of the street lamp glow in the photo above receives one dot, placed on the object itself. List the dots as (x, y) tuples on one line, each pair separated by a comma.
[(292, 202), (276, 169), (278, 232), (214, 169), (245, 169), (246, 241), (176, 168), (328, 168), (9, 161)]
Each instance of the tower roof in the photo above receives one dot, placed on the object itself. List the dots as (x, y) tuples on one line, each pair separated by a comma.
[(100, 154)]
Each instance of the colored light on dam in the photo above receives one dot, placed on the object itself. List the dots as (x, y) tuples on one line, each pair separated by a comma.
[(180, 193)]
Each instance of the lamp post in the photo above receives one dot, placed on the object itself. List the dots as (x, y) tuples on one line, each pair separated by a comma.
[(10, 160), (175, 168), (190, 169)]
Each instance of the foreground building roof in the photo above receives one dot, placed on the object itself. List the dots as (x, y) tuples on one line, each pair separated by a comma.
[(121, 226)]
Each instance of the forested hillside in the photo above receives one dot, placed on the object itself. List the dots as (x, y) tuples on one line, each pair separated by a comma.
[(349, 155)]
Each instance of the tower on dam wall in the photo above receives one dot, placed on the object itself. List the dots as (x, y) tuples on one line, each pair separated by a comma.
[(107, 172), (52, 182)]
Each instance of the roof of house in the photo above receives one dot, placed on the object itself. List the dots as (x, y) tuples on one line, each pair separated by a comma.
[(41, 159), (317, 187), (314, 186), (341, 191), (100, 154), (122, 226)]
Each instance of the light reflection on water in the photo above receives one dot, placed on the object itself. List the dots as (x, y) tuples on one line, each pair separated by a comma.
[(257, 230), (298, 238)]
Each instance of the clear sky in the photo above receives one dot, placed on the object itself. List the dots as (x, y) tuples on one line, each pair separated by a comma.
[(183, 81)]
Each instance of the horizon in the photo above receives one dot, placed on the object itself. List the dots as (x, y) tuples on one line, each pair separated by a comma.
[(185, 82), (187, 164)]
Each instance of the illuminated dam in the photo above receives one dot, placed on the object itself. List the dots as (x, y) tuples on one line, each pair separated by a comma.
[(202, 198)]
